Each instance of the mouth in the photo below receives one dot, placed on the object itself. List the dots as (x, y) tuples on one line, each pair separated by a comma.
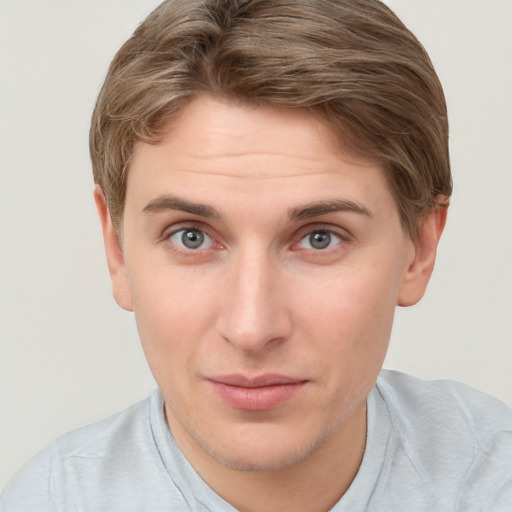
[(261, 393)]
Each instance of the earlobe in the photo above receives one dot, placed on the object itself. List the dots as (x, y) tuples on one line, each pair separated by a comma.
[(114, 253), (417, 276)]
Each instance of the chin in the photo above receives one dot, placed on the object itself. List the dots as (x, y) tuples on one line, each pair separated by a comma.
[(275, 454), (260, 462)]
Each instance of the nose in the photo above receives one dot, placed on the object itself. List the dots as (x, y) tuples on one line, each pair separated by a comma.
[(254, 312)]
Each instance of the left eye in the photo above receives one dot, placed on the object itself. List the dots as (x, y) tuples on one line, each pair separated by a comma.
[(320, 240), (191, 239)]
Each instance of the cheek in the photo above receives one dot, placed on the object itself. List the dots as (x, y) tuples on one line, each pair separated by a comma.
[(349, 302), (351, 323), (173, 314)]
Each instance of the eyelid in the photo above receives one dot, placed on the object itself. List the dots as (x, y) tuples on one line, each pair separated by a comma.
[(333, 238), (344, 235), (172, 230), (206, 241)]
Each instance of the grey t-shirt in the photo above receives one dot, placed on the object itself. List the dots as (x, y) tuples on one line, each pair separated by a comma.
[(431, 446)]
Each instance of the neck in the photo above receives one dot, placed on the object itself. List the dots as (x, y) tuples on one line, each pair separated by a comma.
[(315, 483)]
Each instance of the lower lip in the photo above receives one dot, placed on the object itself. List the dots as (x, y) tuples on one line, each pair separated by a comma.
[(262, 398)]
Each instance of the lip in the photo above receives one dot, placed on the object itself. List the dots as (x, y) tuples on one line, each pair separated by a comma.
[(260, 393)]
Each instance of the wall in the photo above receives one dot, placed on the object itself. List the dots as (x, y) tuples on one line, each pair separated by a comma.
[(70, 356)]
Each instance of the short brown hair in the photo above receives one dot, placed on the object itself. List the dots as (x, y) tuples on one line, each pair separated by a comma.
[(352, 62)]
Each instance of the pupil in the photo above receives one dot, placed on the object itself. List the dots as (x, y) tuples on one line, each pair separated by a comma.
[(320, 240), (192, 239)]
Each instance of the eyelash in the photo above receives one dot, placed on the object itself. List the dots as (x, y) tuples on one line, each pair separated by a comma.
[(167, 236), (307, 231), (342, 236)]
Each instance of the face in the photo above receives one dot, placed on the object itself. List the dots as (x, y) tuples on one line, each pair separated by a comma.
[(263, 265)]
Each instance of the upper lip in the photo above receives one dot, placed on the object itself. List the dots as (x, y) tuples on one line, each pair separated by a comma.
[(270, 379)]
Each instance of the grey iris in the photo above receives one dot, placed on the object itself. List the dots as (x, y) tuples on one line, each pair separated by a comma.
[(192, 239), (320, 240)]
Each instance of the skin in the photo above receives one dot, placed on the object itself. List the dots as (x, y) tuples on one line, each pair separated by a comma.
[(259, 296)]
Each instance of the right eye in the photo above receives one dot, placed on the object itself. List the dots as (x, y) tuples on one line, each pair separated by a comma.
[(191, 239)]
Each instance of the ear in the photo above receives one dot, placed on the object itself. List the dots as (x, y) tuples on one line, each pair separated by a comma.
[(418, 274), (114, 252)]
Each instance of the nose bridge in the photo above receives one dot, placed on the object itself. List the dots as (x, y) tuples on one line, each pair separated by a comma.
[(254, 313)]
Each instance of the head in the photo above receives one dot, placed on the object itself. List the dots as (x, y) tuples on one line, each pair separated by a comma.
[(351, 63), (270, 175)]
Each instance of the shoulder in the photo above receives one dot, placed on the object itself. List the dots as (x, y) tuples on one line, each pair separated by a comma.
[(444, 401), (37, 486), (453, 437)]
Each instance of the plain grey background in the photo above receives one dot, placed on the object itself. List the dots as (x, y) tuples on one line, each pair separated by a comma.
[(69, 356)]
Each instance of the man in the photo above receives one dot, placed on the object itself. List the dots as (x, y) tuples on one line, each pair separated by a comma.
[(272, 180)]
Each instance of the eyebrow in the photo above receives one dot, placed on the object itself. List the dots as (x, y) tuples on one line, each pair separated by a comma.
[(307, 211), (328, 206), (163, 203)]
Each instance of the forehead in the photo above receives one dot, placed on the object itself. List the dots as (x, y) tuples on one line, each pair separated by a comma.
[(209, 127), (264, 154)]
